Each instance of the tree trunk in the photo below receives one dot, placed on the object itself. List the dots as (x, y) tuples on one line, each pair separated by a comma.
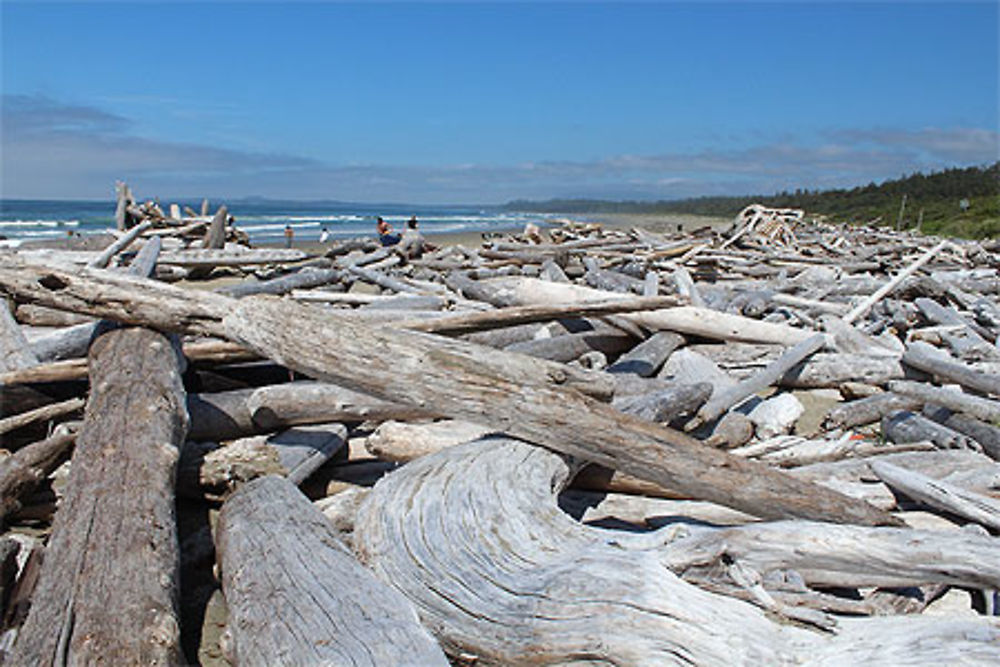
[(108, 588), (296, 595)]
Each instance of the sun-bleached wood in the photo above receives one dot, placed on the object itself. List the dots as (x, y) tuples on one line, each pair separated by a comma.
[(474, 537), (510, 393), (296, 595)]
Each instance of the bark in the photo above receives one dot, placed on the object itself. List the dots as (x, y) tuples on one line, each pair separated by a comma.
[(295, 593), (108, 588)]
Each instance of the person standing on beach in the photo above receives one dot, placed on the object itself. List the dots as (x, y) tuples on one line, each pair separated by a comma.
[(289, 234), (324, 235)]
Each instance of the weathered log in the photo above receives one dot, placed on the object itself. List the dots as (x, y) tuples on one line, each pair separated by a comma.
[(941, 495), (215, 237), (868, 410), (664, 405), (646, 358), (722, 401), (21, 472), (931, 360), (39, 316), (209, 257), (307, 277), (571, 346), (513, 315), (611, 595), (981, 408), (317, 402), (825, 369), (73, 341), (278, 553), (44, 413), (207, 470), (510, 393), (904, 427), (848, 339), (109, 584), (684, 319), (15, 352), (987, 435), (124, 241), (892, 284)]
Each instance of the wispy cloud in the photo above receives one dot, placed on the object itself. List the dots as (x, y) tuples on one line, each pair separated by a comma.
[(52, 149)]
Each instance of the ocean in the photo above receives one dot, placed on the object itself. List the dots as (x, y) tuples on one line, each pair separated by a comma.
[(263, 220)]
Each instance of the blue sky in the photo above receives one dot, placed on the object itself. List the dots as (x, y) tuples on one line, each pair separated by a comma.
[(482, 103)]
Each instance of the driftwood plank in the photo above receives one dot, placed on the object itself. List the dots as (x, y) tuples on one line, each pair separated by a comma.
[(508, 392), (109, 583), (296, 595), (474, 537)]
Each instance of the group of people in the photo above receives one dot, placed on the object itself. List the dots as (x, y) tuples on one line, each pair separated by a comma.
[(410, 242)]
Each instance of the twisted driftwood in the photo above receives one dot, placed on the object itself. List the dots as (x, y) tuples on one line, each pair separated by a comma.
[(474, 537)]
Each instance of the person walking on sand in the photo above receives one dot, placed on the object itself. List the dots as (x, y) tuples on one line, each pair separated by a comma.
[(385, 235), (289, 234)]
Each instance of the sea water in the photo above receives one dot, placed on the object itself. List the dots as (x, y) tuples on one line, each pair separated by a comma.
[(263, 220)]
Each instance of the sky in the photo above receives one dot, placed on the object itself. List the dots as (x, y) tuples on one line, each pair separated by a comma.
[(483, 103)]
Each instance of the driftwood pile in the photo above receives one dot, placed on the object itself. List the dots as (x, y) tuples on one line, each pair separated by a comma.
[(574, 445)]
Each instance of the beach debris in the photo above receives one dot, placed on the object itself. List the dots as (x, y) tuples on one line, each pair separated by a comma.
[(784, 437)]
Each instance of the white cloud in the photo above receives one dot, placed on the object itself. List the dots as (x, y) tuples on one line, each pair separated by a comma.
[(58, 150)]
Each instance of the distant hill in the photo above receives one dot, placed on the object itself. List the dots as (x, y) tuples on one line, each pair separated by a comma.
[(954, 202)]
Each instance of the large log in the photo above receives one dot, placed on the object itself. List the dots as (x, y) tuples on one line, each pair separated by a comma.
[(684, 319), (474, 537), (510, 393), (108, 587), (931, 360), (296, 595)]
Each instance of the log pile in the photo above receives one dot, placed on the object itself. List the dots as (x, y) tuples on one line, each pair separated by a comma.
[(576, 444)]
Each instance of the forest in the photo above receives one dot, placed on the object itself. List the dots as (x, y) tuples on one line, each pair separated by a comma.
[(963, 202)]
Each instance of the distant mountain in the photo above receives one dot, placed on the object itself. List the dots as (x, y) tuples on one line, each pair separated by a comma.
[(956, 202)]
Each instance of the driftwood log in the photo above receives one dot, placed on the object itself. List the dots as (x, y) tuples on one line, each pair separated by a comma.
[(525, 584), (296, 595), (510, 393), (108, 587)]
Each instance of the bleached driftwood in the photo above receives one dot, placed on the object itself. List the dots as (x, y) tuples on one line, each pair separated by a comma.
[(527, 585), (208, 470), (510, 393), (930, 359), (296, 595), (940, 494), (683, 319), (15, 353), (27, 467), (724, 400)]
